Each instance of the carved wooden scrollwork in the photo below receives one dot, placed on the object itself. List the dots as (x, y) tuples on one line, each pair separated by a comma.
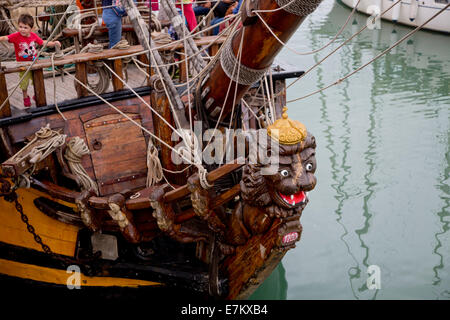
[(165, 217)]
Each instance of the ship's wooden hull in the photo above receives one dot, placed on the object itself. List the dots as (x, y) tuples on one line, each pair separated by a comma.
[(79, 202), (24, 262)]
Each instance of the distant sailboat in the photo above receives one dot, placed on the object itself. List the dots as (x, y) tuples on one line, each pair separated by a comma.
[(408, 12)]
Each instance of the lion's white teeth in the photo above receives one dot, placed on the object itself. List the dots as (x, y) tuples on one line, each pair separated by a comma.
[(292, 197), (293, 203)]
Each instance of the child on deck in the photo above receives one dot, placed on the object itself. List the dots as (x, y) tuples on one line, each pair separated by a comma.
[(25, 45)]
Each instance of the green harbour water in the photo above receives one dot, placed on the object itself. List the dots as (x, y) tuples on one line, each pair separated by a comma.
[(383, 195)]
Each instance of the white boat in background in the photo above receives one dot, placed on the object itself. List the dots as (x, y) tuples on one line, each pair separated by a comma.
[(408, 12)]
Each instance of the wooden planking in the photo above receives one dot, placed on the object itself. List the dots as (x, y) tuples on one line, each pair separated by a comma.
[(121, 152), (56, 191), (76, 58), (98, 31), (91, 114), (18, 133), (212, 176), (60, 277), (144, 59), (106, 54), (21, 131)]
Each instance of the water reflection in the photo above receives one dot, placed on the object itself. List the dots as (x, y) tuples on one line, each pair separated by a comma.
[(416, 62), (384, 162), (339, 183), (443, 214), (371, 158), (357, 278)]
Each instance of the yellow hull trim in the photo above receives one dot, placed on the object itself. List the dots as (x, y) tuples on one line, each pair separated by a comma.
[(60, 237), (60, 277)]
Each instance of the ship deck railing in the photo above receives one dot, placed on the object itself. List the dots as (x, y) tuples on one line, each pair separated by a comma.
[(81, 61)]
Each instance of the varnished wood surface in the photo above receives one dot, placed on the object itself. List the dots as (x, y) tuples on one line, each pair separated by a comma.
[(258, 51), (81, 75), (251, 258), (211, 177), (99, 31), (118, 157), (74, 58), (117, 67), (75, 126), (39, 87)]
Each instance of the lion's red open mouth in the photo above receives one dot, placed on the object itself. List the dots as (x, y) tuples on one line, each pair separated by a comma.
[(293, 199)]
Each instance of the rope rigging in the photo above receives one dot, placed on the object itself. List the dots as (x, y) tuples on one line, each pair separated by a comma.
[(231, 65), (409, 34)]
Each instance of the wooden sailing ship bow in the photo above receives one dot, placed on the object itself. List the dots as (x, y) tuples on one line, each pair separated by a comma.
[(242, 228)]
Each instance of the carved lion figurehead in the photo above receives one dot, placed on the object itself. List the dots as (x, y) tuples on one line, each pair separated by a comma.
[(276, 190), (283, 192)]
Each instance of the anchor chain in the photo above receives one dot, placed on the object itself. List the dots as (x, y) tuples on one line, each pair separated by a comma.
[(89, 265), (30, 228), (9, 194)]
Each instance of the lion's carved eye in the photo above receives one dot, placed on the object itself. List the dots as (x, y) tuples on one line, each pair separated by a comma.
[(309, 166), (284, 173)]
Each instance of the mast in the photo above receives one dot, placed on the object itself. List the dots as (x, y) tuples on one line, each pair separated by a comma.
[(258, 52)]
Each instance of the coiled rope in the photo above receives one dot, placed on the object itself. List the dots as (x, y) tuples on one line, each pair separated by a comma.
[(76, 149), (39, 153)]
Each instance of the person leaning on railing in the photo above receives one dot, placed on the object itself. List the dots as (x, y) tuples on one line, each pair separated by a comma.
[(113, 12)]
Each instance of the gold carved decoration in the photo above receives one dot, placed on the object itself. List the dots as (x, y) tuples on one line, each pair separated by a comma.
[(287, 131)]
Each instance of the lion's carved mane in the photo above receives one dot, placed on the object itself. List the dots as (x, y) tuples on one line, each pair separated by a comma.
[(254, 187)]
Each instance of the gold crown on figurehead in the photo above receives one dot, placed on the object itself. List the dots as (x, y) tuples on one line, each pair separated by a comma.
[(287, 131)]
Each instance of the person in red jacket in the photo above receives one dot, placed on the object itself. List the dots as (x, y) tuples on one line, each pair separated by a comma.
[(25, 46), (188, 12)]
